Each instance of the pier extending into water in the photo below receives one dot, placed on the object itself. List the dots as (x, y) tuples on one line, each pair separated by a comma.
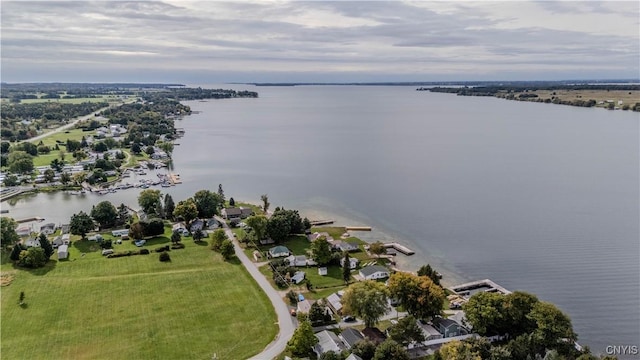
[(321, 222), (399, 247), (357, 228)]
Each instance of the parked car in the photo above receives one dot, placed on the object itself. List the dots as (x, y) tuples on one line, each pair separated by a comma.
[(293, 312), (348, 318)]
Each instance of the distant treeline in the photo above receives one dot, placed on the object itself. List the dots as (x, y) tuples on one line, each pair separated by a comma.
[(180, 94)]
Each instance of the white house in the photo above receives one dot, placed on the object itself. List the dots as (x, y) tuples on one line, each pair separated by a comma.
[(32, 242), (297, 260), (374, 272), (63, 252), (353, 263)]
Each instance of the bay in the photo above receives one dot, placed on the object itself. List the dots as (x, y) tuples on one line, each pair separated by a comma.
[(537, 197)]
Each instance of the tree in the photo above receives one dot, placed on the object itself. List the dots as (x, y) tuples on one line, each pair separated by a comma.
[(217, 238), (123, 214), (331, 355), (49, 174), (136, 231), (306, 224), (148, 199), (11, 180), (227, 250), (406, 331), (169, 206), (207, 203), (426, 270), (259, 225), (65, 178), (377, 248), (553, 326), (265, 202), (293, 218), (15, 252), (390, 349), (232, 202), (365, 348), (321, 251), (56, 164), (346, 268), (105, 214), (186, 210), (20, 162), (33, 257), (457, 349), (81, 223), (176, 237), (418, 294), (302, 340), (22, 297), (46, 246), (135, 148), (198, 235), (278, 228), (484, 312), (149, 150), (221, 193), (152, 227), (8, 235), (516, 307), (316, 313), (366, 300)]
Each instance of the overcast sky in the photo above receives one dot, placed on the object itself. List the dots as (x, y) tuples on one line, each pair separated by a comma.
[(318, 41)]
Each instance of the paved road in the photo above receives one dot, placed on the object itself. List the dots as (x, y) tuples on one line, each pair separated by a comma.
[(285, 321), (65, 127)]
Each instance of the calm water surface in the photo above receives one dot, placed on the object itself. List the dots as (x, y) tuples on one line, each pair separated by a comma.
[(537, 197)]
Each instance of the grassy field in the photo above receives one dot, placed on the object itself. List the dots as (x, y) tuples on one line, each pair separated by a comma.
[(627, 97), (90, 307), (103, 98)]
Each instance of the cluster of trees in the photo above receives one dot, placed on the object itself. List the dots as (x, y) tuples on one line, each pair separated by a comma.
[(531, 326), (104, 215), (286, 222), (222, 244), (33, 257), (203, 204)]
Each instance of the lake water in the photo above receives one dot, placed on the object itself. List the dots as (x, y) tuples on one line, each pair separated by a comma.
[(537, 197)]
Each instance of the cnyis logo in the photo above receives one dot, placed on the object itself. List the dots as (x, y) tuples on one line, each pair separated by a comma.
[(622, 350)]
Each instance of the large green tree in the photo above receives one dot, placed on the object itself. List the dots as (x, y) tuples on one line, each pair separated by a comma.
[(207, 203), (417, 294), (227, 250), (390, 349), (484, 312), (406, 331), (302, 340), (265, 202), (259, 225), (148, 199), (169, 206), (553, 327), (33, 257), (20, 162), (105, 214), (321, 251), (187, 211), (367, 300), (81, 223), (46, 246), (427, 270), (278, 228), (217, 238), (365, 348), (346, 268), (8, 235)]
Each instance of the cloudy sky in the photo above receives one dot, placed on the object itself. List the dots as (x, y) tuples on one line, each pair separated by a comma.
[(318, 41)]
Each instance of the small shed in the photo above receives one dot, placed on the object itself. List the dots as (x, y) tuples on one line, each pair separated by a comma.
[(63, 252), (322, 271), (298, 277)]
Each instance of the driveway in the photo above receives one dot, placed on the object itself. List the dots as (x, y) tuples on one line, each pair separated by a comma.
[(64, 127), (285, 321)]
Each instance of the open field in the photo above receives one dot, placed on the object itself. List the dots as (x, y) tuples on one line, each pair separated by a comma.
[(627, 97), (90, 307), (107, 98)]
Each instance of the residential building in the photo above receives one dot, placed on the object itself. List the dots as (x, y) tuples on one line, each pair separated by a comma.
[(231, 213), (374, 272), (353, 263), (279, 251), (350, 336), (448, 327), (328, 341)]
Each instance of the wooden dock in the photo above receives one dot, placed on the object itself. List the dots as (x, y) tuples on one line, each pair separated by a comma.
[(403, 249), (357, 228), (321, 222), (175, 178), (35, 218)]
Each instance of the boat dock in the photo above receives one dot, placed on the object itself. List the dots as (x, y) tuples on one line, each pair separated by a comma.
[(35, 218), (403, 249), (357, 228), (175, 178), (468, 289), (321, 222)]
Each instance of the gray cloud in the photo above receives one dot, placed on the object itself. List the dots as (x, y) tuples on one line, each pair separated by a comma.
[(48, 41)]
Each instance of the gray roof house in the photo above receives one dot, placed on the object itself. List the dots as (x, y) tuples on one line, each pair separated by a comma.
[(231, 213), (328, 341), (196, 225), (298, 277), (353, 357), (429, 332), (48, 229), (334, 302), (350, 336), (374, 272), (63, 252), (246, 212), (297, 260), (448, 327), (345, 246)]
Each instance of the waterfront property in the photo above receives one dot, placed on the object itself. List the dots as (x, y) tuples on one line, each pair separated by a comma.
[(448, 327), (374, 272), (467, 290)]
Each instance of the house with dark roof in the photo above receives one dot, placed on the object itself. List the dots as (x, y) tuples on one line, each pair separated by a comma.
[(448, 327), (328, 341), (48, 229), (350, 336), (278, 251), (374, 272), (374, 334), (232, 213), (246, 212), (298, 277), (197, 224)]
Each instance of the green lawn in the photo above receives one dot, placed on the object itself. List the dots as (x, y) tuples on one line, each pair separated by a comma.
[(72, 101), (91, 307)]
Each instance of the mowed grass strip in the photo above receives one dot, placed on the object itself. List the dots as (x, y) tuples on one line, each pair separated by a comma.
[(136, 307)]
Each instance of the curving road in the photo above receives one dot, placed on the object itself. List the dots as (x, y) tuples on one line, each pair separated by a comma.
[(64, 127), (285, 320)]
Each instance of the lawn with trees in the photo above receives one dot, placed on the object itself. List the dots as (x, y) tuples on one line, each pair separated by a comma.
[(135, 306)]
